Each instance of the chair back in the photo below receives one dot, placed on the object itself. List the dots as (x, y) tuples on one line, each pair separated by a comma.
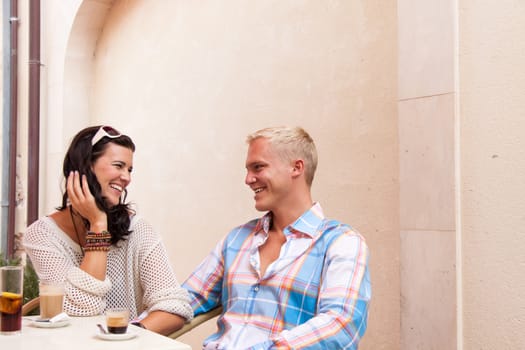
[(197, 320)]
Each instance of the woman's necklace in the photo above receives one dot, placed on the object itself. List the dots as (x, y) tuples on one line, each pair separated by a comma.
[(76, 230)]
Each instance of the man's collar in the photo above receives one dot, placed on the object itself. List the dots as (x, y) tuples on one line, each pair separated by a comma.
[(308, 223)]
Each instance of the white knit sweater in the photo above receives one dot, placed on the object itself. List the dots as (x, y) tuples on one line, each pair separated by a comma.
[(139, 275)]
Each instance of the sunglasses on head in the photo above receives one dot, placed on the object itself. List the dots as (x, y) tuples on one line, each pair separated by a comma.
[(104, 131)]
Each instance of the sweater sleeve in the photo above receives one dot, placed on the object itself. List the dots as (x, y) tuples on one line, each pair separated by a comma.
[(161, 289), (56, 259)]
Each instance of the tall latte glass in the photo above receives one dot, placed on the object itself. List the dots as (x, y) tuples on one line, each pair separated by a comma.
[(51, 299), (11, 289)]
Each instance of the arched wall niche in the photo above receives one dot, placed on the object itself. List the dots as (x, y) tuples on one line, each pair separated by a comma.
[(71, 32), (79, 61)]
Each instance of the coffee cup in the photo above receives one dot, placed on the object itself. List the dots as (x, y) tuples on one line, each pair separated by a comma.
[(117, 320), (51, 299)]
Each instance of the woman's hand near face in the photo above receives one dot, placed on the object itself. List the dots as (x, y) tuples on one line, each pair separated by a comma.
[(83, 201)]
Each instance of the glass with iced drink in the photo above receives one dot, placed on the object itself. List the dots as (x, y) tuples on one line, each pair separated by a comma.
[(11, 290)]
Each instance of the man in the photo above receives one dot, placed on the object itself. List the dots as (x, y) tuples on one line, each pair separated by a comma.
[(291, 279)]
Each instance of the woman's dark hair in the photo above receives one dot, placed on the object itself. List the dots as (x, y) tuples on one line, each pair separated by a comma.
[(80, 156)]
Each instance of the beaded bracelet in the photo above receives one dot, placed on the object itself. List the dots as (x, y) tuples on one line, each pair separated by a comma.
[(98, 241), (96, 249)]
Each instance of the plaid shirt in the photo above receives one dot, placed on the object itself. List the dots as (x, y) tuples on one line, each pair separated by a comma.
[(314, 296)]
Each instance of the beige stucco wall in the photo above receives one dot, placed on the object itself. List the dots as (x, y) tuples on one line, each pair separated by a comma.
[(188, 81), (492, 82), (210, 73), (394, 94)]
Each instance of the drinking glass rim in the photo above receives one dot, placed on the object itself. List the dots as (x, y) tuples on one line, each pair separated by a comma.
[(12, 267)]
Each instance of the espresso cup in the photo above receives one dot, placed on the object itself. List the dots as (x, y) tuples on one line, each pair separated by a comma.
[(51, 299), (117, 320)]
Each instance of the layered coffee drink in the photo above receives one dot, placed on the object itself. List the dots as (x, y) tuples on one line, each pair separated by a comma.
[(51, 299), (117, 329), (50, 305), (117, 320)]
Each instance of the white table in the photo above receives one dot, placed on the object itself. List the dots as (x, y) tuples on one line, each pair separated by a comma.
[(80, 334)]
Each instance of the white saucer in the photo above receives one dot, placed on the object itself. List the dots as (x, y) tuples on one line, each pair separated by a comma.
[(110, 336), (44, 324)]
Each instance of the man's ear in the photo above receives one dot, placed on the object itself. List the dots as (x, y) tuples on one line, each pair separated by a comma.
[(298, 167)]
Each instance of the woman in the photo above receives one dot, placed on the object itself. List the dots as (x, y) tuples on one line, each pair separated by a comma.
[(95, 244)]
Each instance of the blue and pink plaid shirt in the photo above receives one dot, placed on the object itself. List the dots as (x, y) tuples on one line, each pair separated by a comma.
[(314, 296)]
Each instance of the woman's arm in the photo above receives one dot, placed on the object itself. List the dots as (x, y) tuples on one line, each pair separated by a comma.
[(163, 322), (83, 202), (54, 259)]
